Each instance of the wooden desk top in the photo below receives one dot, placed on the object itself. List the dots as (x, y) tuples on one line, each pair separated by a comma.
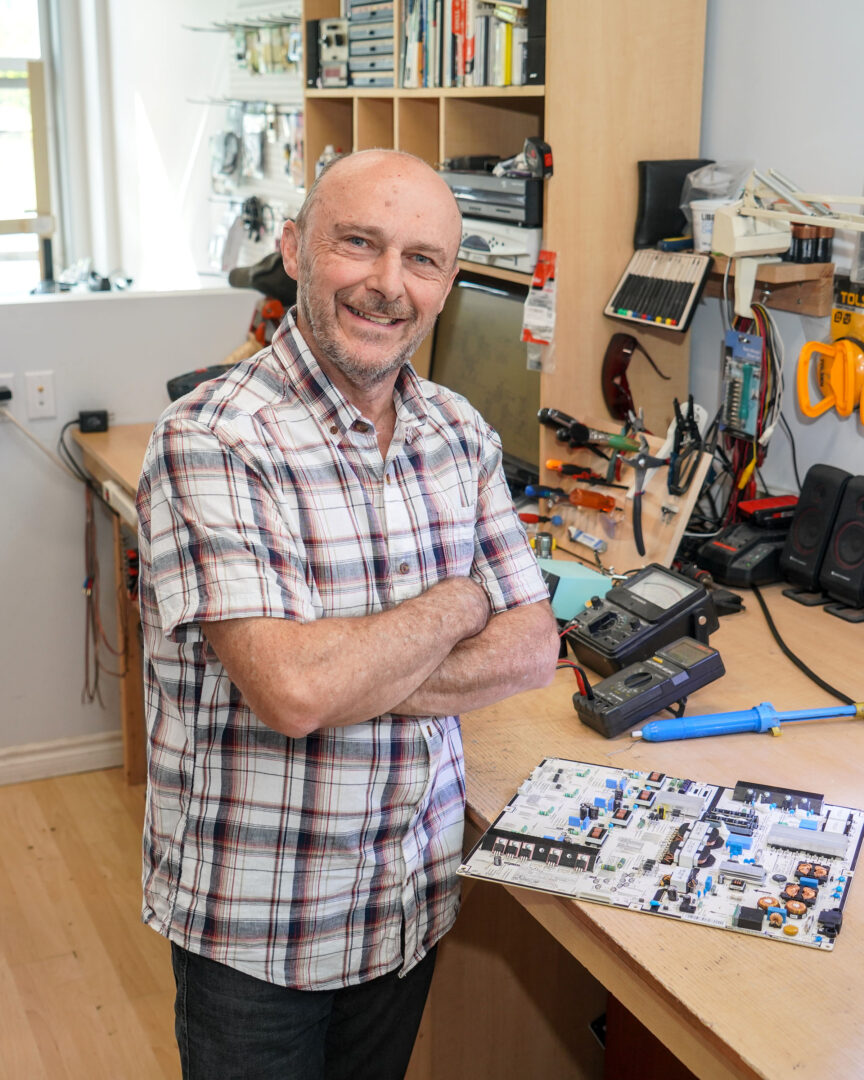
[(728, 1004), (117, 453)]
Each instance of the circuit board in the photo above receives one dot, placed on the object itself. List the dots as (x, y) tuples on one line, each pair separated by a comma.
[(758, 860)]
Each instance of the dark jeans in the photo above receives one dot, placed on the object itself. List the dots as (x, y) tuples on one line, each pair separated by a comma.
[(230, 1026)]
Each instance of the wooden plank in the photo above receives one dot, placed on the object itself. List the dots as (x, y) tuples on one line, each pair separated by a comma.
[(613, 104), (132, 659), (802, 288), (117, 453)]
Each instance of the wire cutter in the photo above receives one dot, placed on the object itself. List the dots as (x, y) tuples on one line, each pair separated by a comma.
[(686, 449), (641, 463)]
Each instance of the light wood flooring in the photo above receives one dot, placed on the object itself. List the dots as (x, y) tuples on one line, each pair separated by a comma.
[(86, 991)]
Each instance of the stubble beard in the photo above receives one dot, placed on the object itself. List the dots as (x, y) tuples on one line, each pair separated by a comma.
[(320, 316)]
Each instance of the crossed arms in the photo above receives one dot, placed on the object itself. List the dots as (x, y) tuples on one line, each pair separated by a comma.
[(436, 654)]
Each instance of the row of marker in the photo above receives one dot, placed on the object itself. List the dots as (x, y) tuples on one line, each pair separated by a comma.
[(644, 294)]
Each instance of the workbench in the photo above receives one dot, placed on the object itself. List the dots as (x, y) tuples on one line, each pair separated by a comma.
[(728, 1005)]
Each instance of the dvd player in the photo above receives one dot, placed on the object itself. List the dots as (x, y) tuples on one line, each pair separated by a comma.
[(515, 200)]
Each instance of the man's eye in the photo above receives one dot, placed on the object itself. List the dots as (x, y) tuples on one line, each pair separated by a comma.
[(357, 241), (423, 260)]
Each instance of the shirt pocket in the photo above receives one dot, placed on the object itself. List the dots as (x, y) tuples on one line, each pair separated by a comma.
[(448, 550)]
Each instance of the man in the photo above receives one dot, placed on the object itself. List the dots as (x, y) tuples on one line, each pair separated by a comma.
[(331, 570)]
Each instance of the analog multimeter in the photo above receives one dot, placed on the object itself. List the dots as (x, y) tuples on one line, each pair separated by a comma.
[(652, 608)]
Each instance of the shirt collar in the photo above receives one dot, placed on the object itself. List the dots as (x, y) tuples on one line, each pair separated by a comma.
[(328, 404)]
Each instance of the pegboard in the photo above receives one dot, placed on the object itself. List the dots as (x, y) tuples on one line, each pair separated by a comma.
[(664, 516)]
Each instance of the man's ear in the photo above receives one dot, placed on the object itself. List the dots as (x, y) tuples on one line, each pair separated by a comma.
[(290, 247)]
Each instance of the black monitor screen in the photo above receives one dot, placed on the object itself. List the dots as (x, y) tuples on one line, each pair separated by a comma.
[(478, 353)]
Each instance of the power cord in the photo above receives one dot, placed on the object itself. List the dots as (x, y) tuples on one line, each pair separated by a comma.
[(45, 450), (797, 661), (95, 637)]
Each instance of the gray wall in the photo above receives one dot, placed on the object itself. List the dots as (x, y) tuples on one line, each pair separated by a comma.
[(111, 352), (781, 82)]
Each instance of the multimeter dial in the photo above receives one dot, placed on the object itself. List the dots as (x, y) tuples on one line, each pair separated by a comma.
[(661, 589)]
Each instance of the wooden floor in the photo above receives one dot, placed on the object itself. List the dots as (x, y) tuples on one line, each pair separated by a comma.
[(86, 990)]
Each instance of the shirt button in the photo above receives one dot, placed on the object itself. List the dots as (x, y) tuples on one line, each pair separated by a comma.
[(389, 478), (334, 430), (361, 426), (404, 568)]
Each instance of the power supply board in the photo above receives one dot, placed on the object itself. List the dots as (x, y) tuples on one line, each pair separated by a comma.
[(759, 860)]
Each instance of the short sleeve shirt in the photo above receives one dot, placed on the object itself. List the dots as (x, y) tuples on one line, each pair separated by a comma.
[(328, 860)]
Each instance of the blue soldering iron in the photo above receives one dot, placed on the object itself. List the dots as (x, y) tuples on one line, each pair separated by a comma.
[(764, 717)]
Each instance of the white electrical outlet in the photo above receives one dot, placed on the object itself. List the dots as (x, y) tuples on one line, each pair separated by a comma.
[(40, 395), (8, 380)]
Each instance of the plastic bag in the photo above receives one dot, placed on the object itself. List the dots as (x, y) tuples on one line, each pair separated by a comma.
[(722, 180)]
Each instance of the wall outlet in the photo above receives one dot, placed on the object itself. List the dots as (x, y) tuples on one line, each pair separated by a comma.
[(40, 395), (8, 380)]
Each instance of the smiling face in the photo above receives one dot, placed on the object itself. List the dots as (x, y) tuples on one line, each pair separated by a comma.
[(374, 260)]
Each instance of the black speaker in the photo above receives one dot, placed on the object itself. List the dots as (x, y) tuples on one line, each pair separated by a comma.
[(313, 53), (842, 573), (811, 526)]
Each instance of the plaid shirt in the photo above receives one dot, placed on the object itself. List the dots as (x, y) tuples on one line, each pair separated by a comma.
[(306, 862)]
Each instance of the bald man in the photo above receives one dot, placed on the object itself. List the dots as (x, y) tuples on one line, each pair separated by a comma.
[(331, 571)]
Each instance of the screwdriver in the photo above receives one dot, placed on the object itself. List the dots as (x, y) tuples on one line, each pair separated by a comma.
[(540, 491), (591, 500), (536, 519), (764, 717)]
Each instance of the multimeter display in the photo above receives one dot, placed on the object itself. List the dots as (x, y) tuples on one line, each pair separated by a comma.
[(651, 609)]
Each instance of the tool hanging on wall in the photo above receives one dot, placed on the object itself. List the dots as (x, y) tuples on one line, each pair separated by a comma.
[(839, 376), (616, 361), (641, 463), (569, 430)]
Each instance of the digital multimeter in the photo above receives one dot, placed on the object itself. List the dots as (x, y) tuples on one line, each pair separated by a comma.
[(650, 609), (643, 689)]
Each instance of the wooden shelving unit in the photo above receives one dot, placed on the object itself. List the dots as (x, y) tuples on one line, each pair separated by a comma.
[(608, 102), (802, 288)]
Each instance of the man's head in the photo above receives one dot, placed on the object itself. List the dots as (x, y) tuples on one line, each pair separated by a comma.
[(374, 253)]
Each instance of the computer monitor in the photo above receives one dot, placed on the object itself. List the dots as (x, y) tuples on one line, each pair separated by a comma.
[(477, 351)]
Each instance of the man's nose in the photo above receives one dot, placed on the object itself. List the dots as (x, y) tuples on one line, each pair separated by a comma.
[(386, 275)]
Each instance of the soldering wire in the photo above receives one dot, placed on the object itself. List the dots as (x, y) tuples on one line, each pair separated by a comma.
[(796, 660)]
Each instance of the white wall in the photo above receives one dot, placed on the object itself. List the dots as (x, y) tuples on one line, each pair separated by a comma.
[(107, 351), (781, 82), (161, 73)]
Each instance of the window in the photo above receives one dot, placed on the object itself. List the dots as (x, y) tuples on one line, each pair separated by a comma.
[(19, 249)]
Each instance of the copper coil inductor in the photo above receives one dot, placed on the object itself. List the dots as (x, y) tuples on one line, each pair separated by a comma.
[(775, 919), (766, 902), (795, 908), (808, 895), (804, 869)]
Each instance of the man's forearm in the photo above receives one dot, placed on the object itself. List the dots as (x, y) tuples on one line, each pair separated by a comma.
[(516, 651), (300, 677)]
